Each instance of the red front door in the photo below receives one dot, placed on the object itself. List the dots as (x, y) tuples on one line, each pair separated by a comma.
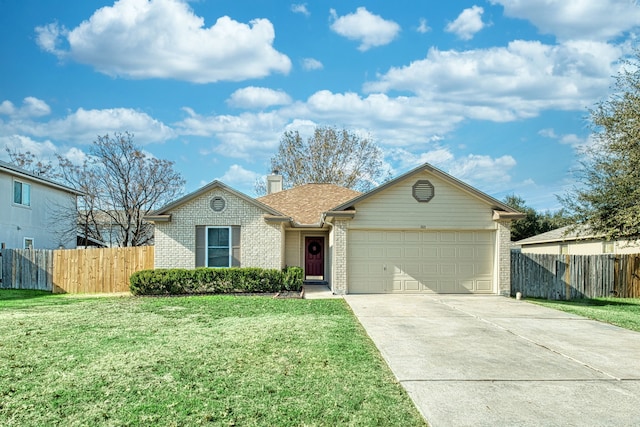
[(314, 258)]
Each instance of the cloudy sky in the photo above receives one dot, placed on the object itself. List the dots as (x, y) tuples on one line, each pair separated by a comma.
[(494, 92)]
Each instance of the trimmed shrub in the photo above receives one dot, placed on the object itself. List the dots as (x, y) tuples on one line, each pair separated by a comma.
[(179, 281)]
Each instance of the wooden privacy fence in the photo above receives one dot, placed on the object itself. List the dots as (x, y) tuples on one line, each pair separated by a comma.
[(26, 269), (73, 270), (575, 276)]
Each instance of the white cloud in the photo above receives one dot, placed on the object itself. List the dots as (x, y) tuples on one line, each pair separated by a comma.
[(548, 133), (423, 27), (489, 174), (467, 24), (83, 126), (577, 19), (311, 64), (506, 83), (237, 176), (369, 29), (165, 39), (258, 97), (568, 139), (300, 8), (484, 171), (42, 150), (247, 136), (76, 156), (31, 107)]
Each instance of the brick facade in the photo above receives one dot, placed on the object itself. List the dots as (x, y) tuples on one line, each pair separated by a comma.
[(261, 243), (504, 257), (339, 261)]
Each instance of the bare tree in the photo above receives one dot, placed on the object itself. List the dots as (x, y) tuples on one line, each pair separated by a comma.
[(329, 156), (119, 184), (129, 185)]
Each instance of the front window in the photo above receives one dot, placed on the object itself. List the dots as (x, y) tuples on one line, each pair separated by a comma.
[(218, 247), (21, 193)]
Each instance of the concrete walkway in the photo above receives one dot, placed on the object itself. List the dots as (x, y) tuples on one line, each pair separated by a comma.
[(494, 361), (318, 292)]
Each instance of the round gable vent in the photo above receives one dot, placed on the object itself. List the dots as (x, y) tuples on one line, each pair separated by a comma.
[(218, 204), (423, 190)]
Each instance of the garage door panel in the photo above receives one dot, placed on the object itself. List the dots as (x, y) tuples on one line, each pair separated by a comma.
[(412, 252), (448, 252), (421, 261), (430, 252), (394, 252), (484, 285), (466, 253)]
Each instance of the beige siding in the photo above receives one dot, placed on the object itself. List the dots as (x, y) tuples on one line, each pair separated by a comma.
[(450, 208), (261, 244), (292, 248), (590, 247)]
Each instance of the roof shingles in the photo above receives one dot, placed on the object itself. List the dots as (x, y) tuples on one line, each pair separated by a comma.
[(306, 203)]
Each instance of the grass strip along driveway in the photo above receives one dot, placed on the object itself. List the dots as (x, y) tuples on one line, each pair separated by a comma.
[(623, 312), (214, 360)]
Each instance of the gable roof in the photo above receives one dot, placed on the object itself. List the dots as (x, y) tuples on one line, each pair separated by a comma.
[(562, 234), (23, 173), (209, 187), (426, 167), (306, 203)]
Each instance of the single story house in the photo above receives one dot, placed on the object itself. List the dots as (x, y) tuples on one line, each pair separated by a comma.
[(572, 240), (422, 232)]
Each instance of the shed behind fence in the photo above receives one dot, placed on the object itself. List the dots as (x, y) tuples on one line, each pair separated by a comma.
[(575, 276)]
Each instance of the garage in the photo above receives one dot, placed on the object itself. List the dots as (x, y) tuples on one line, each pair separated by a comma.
[(390, 261)]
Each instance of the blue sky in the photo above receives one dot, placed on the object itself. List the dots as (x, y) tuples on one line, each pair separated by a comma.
[(493, 92)]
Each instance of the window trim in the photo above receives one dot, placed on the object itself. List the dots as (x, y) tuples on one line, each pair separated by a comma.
[(22, 185), (229, 246), (24, 242)]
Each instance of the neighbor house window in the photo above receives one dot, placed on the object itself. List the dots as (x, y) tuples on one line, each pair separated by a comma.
[(564, 249), (21, 193), (217, 246), (28, 243), (607, 247)]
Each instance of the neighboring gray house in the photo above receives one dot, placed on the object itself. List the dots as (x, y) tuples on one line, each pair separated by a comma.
[(35, 212), (422, 232)]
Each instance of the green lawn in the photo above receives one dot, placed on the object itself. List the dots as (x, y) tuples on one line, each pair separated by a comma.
[(216, 360), (623, 312)]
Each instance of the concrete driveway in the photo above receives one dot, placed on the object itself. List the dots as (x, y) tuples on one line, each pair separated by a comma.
[(494, 361)]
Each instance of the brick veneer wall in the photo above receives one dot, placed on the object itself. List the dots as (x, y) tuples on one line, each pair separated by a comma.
[(339, 262), (504, 257), (175, 242)]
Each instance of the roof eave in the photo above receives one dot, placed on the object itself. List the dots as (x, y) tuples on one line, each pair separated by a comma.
[(426, 167), (158, 218), (211, 186), (510, 216), (11, 170), (348, 214)]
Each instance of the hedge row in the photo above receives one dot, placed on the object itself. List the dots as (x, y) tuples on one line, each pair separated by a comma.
[(178, 281)]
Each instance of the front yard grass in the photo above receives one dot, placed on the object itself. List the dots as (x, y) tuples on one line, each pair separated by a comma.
[(210, 360), (623, 312)]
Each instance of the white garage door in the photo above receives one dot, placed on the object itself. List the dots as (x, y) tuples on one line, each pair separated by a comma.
[(420, 261)]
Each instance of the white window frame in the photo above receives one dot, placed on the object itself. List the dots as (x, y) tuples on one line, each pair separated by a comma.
[(24, 242), (13, 193), (229, 247)]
